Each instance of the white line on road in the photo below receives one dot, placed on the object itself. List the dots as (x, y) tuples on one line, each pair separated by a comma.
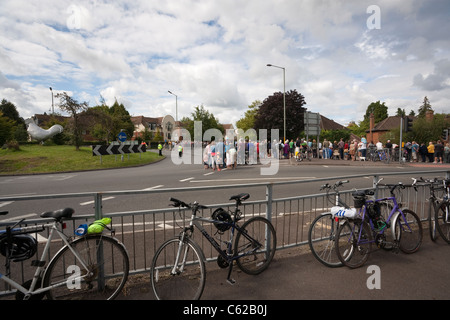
[(187, 179), (2, 204), (90, 202), (17, 218), (155, 187)]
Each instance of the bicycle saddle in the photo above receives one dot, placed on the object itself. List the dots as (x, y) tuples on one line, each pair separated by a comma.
[(58, 214), (240, 197)]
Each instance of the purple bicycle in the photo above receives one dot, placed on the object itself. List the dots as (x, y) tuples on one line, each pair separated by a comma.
[(401, 229)]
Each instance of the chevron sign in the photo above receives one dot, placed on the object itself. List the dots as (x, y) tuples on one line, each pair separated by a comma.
[(101, 150)]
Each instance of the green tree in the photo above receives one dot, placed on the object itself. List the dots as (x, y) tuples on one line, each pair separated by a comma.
[(73, 107), (248, 121), (379, 111), (19, 130), (426, 106), (6, 128), (209, 121), (121, 119)]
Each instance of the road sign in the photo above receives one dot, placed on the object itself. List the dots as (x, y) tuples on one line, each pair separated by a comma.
[(102, 150), (312, 123), (122, 136)]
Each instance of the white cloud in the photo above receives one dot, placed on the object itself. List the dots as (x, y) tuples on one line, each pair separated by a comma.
[(214, 52)]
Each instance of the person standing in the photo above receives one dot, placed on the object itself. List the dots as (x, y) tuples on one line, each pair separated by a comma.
[(160, 148), (430, 149), (326, 149), (438, 152)]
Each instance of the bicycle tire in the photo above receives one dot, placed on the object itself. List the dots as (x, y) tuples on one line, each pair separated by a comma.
[(255, 231), (432, 220), (352, 252), (64, 268), (442, 218), (321, 240), (189, 282), (410, 233)]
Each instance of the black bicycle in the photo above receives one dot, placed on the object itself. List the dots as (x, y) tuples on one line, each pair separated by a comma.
[(442, 213), (178, 268)]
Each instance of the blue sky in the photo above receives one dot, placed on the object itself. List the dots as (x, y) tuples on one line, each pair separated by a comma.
[(214, 53)]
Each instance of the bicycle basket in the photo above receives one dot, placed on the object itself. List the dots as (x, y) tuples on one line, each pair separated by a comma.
[(23, 247), (359, 198), (223, 216)]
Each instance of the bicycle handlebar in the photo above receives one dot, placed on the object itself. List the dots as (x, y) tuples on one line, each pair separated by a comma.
[(179, 203), (336, 185)]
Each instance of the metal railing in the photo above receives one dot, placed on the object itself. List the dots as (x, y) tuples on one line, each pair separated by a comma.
[(143, 231)]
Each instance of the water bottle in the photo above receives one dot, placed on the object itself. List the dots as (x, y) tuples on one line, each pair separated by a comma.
[(81, 230)]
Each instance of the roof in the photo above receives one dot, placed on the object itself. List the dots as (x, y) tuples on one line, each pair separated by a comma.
[(388, 124), (328, 124)]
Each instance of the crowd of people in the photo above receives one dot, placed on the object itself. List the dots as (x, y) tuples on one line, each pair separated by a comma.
[(229, 154)]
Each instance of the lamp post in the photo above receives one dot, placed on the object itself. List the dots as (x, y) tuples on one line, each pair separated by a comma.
[(284, 97), (176, 105), (52, 100)]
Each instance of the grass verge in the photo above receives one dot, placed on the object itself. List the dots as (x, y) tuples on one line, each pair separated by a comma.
[(32, 159)]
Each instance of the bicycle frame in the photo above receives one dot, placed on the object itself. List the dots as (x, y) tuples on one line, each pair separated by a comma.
[(53, 227), (392, 217)]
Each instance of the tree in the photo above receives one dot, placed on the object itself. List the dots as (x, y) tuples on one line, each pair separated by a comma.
[(248, 121), (271, 114), (6, 128), (73, 107), (19, 129), (208, 121), (379, 111), (426, 106)]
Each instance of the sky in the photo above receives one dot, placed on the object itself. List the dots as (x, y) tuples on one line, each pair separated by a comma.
[(340, 54)]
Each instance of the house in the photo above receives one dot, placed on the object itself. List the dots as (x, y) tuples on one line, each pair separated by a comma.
[(376, 131), (163, 126)]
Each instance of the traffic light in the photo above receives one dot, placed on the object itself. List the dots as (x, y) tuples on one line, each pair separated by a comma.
[(408, 124), (445, 134)]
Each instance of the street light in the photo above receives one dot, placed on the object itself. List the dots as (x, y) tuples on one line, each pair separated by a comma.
[(176, 105), (284, 96), (52, 99)]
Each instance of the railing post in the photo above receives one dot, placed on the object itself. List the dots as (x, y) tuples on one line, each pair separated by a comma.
[(269, 197), (374, 185), (98, 206), (99, 251)]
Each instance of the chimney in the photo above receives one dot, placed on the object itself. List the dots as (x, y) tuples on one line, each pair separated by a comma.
[(429, 115)]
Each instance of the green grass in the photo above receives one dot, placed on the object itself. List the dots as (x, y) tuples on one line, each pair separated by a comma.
[(32, 159)]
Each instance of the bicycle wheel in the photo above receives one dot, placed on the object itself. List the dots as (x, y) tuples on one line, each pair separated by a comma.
[(178, 280), (353, 243), (256, 241), (102, 276), (321, 239), (409, 231), (432, 220), (442, 218)]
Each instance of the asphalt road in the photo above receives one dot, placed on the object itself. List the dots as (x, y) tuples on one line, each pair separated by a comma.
[(165, 174)]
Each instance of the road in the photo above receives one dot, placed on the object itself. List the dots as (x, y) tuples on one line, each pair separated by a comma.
[(166, 174)]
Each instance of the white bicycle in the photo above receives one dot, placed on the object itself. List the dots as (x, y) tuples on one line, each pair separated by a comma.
[(90, 267)]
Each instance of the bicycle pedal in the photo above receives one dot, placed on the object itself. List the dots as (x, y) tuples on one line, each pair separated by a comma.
[(231, 281)]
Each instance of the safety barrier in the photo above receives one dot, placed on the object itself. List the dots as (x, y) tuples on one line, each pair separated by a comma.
[(143, 231)]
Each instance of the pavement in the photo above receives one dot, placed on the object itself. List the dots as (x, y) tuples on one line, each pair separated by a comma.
[(295, 275)]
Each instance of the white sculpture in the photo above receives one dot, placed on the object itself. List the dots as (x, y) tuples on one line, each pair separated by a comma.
[(40, 134)]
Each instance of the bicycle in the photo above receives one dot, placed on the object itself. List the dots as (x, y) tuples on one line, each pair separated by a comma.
[(442, 213), (91, 267), (357, 234), (323, 230), (434, 203), (178, 267)]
